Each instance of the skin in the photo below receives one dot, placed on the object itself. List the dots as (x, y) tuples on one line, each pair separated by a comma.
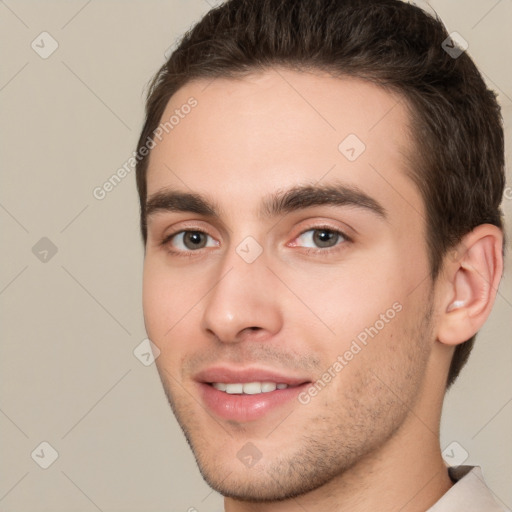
[(370, 439)]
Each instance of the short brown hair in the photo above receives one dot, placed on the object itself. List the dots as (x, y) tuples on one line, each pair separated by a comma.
[(458, 162)]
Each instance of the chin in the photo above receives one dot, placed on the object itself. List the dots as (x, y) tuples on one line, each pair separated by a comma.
[(278, 479), (254, 487)]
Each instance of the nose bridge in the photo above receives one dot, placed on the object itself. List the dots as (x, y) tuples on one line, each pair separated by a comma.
[(241, 296)]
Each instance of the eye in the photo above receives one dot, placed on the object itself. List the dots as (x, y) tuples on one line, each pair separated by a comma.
[(185, 241), (321, 237)]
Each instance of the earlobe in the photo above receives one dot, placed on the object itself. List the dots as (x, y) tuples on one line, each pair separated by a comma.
[(470, 284)]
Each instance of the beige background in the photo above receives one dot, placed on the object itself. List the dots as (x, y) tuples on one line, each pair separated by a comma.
[(70, 324)]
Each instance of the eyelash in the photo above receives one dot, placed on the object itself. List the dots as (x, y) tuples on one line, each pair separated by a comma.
[(308, 250), (329, 250), (186, 254)]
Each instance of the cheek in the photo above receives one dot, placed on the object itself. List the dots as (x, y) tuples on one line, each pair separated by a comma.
[(165, 300), (153, 300), (169, 312), (347, 299)]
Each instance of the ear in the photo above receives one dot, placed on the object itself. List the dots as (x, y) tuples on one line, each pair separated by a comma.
[(469, 283)]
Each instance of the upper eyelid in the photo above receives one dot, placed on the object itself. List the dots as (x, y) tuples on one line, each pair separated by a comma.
[(325, 226), (195, 226)]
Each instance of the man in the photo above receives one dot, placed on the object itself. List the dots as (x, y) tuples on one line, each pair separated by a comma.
[(320, 190)]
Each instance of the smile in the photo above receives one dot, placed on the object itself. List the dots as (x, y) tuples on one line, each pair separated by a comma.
[(247, 394), (248, 388)]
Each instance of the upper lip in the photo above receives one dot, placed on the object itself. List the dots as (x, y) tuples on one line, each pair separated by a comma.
[(229, 375)]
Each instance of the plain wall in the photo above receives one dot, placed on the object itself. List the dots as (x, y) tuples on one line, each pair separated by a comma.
[(70, 324)]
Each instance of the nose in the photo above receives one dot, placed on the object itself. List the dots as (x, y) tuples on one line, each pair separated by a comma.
[(242, 302)]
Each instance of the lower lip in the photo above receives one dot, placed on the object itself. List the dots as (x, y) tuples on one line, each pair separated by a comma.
[(245, 408)]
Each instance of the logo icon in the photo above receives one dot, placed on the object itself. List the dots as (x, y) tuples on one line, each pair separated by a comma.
[(44, 45), (44, 455), (44, 250), (351, 147), (249, 249), (146, 352), (249, 455), (454, 454), (454, 45)]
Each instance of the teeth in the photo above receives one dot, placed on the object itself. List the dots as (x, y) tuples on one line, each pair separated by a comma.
[(252, 388), (248, 388), (233, 389), (269, 386)]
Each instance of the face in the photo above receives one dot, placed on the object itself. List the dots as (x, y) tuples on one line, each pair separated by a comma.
[(286, 277)]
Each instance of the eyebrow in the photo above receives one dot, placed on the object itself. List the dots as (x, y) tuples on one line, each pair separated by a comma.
[(277, 204)]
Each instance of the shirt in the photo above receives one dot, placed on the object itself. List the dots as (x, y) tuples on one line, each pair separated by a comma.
[(468, 494)]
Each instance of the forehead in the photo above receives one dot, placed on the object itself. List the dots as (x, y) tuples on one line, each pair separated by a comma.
[(270, 130)]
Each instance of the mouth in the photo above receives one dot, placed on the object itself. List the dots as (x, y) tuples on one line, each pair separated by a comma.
[(248, 388), (247, 395)]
